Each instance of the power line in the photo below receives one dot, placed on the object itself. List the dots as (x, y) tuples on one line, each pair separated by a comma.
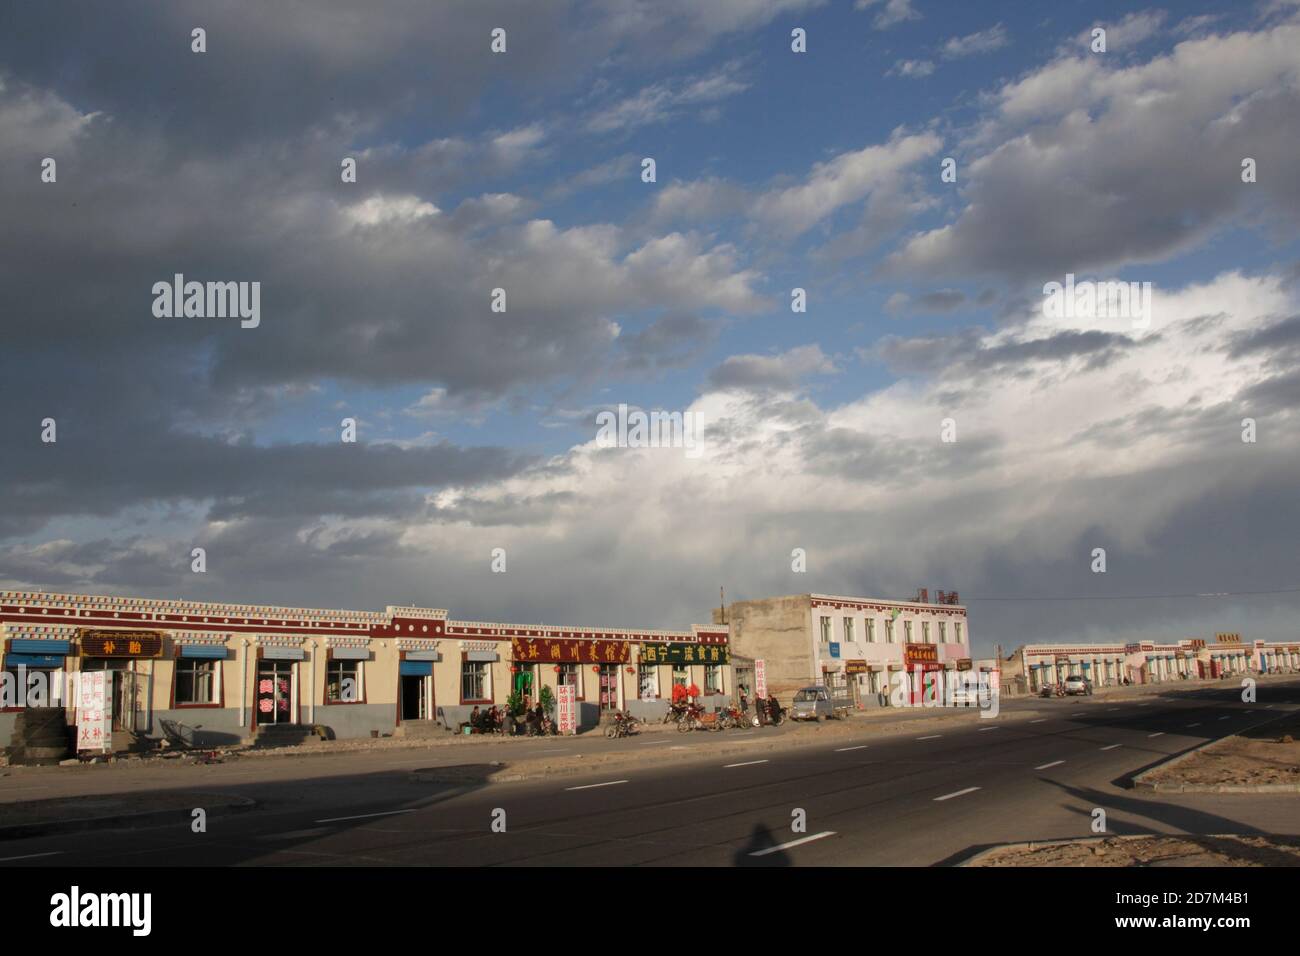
[(1139, 597)]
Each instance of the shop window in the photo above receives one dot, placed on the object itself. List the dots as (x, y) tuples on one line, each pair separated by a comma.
[(681, 675), (196, 682), (648, 681), (712, 678), (570, 675), (474, 682), (343, 682)]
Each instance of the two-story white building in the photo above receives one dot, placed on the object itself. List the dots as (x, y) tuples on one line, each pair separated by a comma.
[(868, 644)]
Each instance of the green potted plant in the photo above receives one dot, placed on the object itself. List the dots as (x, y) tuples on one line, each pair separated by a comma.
[(548, 701), (515, 703)]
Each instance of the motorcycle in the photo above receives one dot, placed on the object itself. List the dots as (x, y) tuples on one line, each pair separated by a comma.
[(775, 712), (622, 725), (733, 717)]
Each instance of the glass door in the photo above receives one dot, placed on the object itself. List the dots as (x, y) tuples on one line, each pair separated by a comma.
[(274, 692), (609, 686)]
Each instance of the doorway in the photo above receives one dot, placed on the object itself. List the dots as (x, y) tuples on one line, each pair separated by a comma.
[(609, 684), (274, 692), (122, 694), (415, 696)]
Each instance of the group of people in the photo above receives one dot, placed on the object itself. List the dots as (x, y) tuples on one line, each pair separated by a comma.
[(531, 722), (768, 709)]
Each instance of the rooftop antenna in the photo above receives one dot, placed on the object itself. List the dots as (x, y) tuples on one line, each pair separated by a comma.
[(722, 604)]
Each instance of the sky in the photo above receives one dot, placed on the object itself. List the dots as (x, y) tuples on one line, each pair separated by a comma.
[(921, 170)]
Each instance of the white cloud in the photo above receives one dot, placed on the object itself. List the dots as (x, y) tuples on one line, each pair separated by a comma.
[(892, 12)]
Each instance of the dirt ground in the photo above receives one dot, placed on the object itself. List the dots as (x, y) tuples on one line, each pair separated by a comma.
[(1157, 851), (1267, 755)]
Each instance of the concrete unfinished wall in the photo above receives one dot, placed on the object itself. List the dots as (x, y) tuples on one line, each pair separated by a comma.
[(777, 631)]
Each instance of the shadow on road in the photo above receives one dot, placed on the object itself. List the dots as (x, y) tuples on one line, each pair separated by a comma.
[(760, 839)]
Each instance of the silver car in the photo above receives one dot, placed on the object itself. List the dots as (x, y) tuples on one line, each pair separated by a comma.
[(811, 703), (1078, 684)]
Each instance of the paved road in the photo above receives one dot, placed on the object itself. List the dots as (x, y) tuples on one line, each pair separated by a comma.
[(915, 798)]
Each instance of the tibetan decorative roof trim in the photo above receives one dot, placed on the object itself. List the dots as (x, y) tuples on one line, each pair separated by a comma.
[(340, 641), (40, 632), (416, 644), (280, 640), (876, 604), (199, 637), (488, 630)]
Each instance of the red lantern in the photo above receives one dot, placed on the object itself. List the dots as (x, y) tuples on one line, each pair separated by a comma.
[(556, 668), (596, 669), (514, 670), (631, 671)]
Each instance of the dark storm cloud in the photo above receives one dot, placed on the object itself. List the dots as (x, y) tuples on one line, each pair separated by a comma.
[(670, 341), (857, 456), (1085, 169), (1280, 336), (929, 355)]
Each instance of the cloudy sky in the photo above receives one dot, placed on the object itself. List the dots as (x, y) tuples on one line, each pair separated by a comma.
[(774, 170)]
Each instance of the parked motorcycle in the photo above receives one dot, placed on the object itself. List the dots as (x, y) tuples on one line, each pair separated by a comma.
[(623, 724)]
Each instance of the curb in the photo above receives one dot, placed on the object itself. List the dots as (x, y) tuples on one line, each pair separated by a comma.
[(1085, 841), (1141, 781), (22, 831)]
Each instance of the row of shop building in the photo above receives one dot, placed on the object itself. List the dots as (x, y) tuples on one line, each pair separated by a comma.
[(1034, 666), (242, 670)]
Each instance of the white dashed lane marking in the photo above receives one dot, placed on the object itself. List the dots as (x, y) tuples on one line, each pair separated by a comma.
[(1112, 746), (747, 763), (592, 786), (1158, 733), (949, 796), (1045, 766), (858, 747), (931, 737), (786, 846), (363, 816)]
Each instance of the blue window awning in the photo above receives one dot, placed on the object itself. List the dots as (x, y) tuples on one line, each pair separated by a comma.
[(28, 646), (34, 660), (415, 668), (209, 651)]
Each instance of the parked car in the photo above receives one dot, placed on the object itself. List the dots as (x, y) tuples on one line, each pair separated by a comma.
[(814, 703), (1078, 684)]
